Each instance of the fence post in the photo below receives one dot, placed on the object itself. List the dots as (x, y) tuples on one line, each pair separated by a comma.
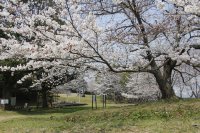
[(104, 100), (92, 101), (96, 101)]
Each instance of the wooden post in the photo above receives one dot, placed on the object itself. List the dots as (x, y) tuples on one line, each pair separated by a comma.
[(92, 101), (96, 101), (104, 101), (79, 95)]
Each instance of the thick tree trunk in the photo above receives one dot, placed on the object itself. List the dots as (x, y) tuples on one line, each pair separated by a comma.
[(165, 87), (165, 82), (167, 91), (6, 93), (44, 99)]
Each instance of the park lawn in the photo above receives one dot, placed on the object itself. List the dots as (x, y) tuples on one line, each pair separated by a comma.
[(154, 117), (73, 97)]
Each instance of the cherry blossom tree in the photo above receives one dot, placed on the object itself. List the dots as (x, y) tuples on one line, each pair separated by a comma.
[(140, 36), (122, 86), (186, 82), (23, 38), (49, 79), (9, 79), (189, 6), (142, 86)]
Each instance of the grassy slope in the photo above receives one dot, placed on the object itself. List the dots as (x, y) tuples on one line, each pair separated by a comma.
[(161, 117)]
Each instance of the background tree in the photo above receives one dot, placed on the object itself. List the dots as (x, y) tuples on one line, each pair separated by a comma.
[(29, 35), (137, 37)]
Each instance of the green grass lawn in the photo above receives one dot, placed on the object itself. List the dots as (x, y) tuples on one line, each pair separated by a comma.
[(181, 116), (75, 98)]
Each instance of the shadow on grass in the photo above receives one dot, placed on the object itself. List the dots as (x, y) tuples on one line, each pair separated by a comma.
[(43, 111)]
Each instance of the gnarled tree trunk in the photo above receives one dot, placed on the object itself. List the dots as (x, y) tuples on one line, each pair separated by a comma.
[(164, 80), (166, 89)]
